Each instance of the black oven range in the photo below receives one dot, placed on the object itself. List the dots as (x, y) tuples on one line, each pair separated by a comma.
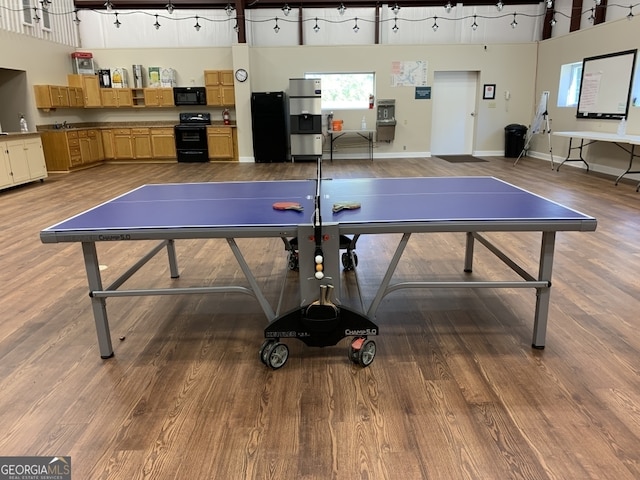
[(191, 137)]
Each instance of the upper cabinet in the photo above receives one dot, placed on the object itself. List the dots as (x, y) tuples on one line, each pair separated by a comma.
[(220, 88), (158, 97), (90, 86), (51, 96)]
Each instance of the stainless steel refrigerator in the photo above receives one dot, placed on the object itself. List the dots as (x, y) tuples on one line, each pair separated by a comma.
[(305, 119)]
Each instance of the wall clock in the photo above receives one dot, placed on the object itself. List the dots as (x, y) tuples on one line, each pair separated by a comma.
[(241, 75)]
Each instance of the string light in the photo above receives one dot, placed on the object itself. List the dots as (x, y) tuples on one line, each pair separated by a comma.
[(597, 2), (286, 9), (43, 5), (169, 6), (549, 3), (342, 9), (499, 5), (448, 7), (395, 9)]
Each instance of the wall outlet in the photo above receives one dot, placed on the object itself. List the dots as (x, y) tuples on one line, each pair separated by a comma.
[(404, 147)]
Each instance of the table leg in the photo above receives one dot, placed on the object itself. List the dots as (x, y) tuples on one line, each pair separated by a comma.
[(97, 303), (543, 294), (331, 146), (468, 254), (173, 260), (581, 159), (632, 155)]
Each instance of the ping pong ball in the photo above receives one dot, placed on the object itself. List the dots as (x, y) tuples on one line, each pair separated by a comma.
[(319, 259), (319, 275), (319, 267)]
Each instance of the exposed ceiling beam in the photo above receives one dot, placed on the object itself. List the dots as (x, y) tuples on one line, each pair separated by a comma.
[(255, 4)]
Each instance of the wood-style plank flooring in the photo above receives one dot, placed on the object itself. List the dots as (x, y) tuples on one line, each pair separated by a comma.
[(455, 391)]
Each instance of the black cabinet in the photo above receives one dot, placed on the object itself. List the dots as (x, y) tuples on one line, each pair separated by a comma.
[(270, 126)]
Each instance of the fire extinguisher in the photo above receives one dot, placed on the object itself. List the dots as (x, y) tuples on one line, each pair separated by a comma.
[(371, 102), (225, 116)]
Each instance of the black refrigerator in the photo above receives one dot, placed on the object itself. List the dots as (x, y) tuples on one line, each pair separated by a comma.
[(270, 126)]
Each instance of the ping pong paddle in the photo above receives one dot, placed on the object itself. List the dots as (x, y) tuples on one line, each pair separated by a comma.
[(322, 309), (288, 206), (345, 206)]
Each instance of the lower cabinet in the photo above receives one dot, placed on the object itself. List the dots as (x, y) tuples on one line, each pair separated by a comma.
[(21, 161), (163, 143), (220, 141), (66, 150)]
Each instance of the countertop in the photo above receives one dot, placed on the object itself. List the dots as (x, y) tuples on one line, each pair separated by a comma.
[(4, 136), (99, 125)]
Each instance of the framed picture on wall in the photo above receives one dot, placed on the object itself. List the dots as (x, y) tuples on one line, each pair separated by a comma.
[(489, 92)]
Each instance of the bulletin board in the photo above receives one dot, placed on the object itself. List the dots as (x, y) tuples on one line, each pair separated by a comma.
[(605, 88)]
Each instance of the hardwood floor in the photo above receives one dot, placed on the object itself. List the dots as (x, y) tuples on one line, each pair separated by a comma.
[(455, 391)]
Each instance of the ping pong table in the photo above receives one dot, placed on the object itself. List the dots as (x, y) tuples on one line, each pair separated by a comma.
[(231, 210)]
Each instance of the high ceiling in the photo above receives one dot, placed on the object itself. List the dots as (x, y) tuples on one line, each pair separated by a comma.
[(249, 4)]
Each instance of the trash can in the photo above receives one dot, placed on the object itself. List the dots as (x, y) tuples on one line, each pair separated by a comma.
[(514, 139)]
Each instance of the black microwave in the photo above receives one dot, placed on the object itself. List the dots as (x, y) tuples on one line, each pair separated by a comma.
[(189, 95)]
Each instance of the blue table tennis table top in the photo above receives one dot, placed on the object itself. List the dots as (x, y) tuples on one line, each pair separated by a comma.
[(222, 208)]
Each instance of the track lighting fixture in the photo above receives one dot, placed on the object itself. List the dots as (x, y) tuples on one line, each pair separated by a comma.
[(499, 5), (170, 8), (229, 9), (108, 5), (286, 9), (395, 9), (549, 3), (448, 7), (342, 9)]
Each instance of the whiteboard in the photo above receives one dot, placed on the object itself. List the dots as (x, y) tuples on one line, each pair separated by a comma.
[(541, 112), (605, 89)]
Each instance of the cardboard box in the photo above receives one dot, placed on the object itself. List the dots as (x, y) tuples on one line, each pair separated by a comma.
[(119, 78), (154, 76)]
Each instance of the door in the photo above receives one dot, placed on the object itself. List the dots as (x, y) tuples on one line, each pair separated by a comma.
[(453, 120)]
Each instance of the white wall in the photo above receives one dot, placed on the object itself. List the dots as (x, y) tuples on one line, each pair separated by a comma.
[(609, 37)]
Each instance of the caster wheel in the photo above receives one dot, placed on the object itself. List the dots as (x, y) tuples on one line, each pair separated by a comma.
[(293, 261), (348, 262), (278, 355), (265, 350), (362, 351)]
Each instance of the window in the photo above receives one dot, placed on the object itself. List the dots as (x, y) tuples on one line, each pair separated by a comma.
[(46, 18), (345, 91), (26, 12), (569, 88)]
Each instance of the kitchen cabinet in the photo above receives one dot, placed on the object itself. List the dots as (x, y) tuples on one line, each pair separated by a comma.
[(76, 97), (220, 142), (66, 150), (90, 85), (107, 143), (141, 140), (220, 88), (122, 144), (91, 150), (158, 97), (116, 97), (163, 142), (51, 96), (21, 161)]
